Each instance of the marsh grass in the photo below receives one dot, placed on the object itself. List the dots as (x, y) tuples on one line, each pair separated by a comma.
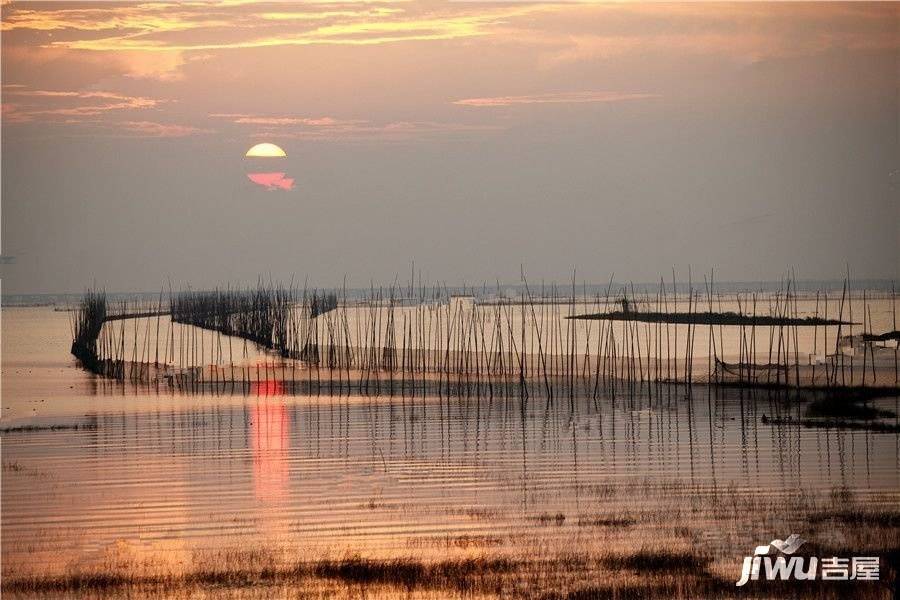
[(866, 518), (618, 521), (641, 574), (464, 541), (658, 550), (556, 519), (244, 569), (658, 560)]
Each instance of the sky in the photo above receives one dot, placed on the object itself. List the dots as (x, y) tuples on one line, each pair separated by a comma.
[(471, 138)]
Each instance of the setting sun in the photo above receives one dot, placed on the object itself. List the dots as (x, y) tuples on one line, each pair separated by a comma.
[(266, 150), (550, 299)]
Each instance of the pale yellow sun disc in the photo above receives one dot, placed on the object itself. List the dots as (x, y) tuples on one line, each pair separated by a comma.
[(265, 150)]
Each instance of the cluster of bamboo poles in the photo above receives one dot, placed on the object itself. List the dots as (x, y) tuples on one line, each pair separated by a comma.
[(262, 315), (392, 339), (86, 325), (99, 336), (785, 362)]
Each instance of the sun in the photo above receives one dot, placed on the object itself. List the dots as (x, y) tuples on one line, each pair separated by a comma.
[(265, 149)]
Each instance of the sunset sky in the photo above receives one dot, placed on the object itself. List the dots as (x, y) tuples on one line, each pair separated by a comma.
[(470, 137)]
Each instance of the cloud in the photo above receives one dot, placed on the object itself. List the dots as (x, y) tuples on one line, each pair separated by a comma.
[(332, 128), (105, 112), (157, 39), (28, 105), (554, 98), (155, 26), (746, 34), (146, 16), (327, 14), (94, 46), (392, 130), (158, 130), (247, 119), (11, 114), (129, 129)]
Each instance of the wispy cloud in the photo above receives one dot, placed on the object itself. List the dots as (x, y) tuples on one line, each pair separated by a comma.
[(10, 114), (147, 16), (281, 121), (27, 105), (49, 103), (331, 128), (150, 26), (314, 15), (157, 39), (751, 33), (107, 113), (158, 130), (93, 46), (554, 98)]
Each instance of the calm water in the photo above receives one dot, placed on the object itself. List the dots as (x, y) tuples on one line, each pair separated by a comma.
[(157, 471)]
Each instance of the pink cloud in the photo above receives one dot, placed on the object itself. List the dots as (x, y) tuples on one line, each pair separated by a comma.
[(110, 113), (331, 128), (11, 113), (159, 130), (555, 98), (272, 181), (34, 105), (278, 121)]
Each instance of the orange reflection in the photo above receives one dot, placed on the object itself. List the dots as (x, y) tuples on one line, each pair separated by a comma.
[(269, 387), (269, 434)]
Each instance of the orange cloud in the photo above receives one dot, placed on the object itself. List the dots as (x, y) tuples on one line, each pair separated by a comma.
[(157, 39), (554, 98), (311, 15), (147, 16), (148, 26)]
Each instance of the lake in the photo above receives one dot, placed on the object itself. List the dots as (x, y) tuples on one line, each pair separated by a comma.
[(538, 495)]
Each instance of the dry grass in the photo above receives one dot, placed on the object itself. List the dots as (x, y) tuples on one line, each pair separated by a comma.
[(648, 561), (260, 569), (645, 573), (863, 519), (688, 542), (618, 521)]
